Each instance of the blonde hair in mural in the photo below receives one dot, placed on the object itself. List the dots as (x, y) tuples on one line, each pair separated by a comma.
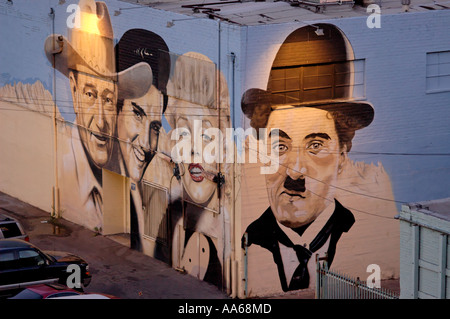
[(197, 90)]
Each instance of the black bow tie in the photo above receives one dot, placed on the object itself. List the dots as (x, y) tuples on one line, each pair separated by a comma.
[(300, 278), (266, 233)]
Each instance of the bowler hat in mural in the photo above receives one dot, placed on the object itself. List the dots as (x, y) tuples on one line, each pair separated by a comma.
[(310, 70), (89, 48)]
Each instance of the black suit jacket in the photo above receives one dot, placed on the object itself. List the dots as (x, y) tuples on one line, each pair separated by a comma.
[(266, 233)]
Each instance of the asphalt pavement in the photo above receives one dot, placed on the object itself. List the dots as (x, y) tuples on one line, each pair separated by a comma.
[(116, 269)]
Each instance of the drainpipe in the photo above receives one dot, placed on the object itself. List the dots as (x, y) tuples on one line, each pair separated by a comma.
[(55, 191), (233, 196)]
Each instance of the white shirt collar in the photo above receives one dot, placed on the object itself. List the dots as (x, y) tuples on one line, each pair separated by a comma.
[(311, 232)]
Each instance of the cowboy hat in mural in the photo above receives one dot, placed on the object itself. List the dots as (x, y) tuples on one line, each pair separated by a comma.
[(308, 101), (87, 58), (89, 48)]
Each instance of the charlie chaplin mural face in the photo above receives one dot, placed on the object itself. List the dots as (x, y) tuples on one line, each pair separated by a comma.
[(315, 117), (310, 159)]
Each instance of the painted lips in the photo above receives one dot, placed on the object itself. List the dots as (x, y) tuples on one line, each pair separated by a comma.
[(196, 172), (101, 139), (291, 197)]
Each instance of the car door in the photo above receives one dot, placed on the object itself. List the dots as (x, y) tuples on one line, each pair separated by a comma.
[(8, 267), (32, 266)]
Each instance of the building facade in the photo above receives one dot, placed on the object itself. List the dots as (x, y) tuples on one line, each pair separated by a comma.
[(424, 250), (233, 141)]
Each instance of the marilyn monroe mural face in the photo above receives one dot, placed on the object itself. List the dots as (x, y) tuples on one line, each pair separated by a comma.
[(194, 174)]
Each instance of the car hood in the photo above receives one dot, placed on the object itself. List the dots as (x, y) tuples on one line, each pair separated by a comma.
[(62, 256)]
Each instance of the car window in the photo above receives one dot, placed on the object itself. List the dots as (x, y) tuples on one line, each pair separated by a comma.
[(63, 294), (27, 294), (7, 260), (10, 230), (30, 258)]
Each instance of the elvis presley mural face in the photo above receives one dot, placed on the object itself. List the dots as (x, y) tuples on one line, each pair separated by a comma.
[(138, 124), (309, 161)]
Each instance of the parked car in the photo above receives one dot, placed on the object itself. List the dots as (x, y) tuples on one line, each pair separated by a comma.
[(46, 291), (22, 264), (88, 296), (57, 291), (11, 228)]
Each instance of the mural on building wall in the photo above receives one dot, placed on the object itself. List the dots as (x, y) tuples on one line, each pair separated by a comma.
[(308, 104), (87, 58), (120, 95), (197, 115), (318, 201), (139, 119)]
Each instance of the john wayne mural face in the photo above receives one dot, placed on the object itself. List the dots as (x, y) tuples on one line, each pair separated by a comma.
[(138, 125), (94, 102), (309, 161)]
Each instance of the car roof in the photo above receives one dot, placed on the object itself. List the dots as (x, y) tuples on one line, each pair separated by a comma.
[(85, 296), (15, 243), (5, 218), (48, 289)]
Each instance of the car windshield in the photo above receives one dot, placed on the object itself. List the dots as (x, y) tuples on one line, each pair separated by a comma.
[(27, 294)]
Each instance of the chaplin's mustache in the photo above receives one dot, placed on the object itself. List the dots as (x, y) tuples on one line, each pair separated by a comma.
[(297, 185)]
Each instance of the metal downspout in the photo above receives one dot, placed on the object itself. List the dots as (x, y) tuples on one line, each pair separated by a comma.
[(55, 195)]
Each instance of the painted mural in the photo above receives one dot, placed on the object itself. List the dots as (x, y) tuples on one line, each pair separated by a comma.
[(120, 95), (314, 207), (151, 115)]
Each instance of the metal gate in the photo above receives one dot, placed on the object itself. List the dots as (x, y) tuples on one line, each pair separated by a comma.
[(334, 285)]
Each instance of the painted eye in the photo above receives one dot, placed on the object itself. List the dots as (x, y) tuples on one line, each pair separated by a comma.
[(315, 147), (206, 138), (155, 128), (184, 133), (90, 95), (280, 148), (137, 115)]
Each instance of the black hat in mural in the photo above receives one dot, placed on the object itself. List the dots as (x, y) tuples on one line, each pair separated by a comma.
[(139, 45), (89, 48), (310, 70)]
